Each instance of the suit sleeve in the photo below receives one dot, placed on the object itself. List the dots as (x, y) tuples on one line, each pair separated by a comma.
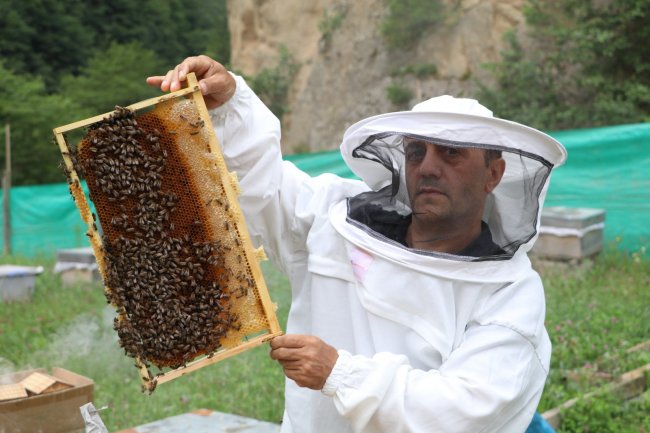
[(279, 202)]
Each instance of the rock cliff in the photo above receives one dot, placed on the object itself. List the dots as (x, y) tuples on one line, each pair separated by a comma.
[(344, 72)]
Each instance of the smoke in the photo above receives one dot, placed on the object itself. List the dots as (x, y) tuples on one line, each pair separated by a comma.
[(88, 344), (6, 368)]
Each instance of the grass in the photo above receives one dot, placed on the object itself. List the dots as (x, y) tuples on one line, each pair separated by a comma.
[(596, 311), (71, 327)]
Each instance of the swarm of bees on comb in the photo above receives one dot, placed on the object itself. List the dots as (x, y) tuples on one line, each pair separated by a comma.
[(172, 246)]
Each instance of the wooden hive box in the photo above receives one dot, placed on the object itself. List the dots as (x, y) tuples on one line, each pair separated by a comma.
[(169, 237), (570, 233)]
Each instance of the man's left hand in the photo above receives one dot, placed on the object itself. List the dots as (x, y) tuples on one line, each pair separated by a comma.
[(306, 359)]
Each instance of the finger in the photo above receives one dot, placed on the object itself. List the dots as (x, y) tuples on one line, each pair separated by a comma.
[(289, 341), (283, 355), (155, 81), (175, 83), (200, 65), (164, 86), (292, 365)]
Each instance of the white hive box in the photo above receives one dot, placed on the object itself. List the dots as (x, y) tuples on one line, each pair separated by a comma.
[(570, 233), (17, 282)]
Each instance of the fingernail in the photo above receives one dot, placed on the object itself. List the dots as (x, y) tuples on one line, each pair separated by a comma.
[(204, 87)]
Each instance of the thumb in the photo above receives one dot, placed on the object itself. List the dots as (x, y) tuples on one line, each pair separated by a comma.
[(204, 87), (217, 89)]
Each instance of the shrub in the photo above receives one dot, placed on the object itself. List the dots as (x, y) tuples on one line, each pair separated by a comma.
[(398, 93), (420, 70), (587, 66), (409, 19), (272, 84), (332, 21)]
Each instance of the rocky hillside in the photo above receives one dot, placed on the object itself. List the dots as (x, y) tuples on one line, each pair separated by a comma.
[(346, 64)]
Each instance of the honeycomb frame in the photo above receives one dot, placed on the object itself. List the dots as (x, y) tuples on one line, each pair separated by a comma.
[(218, 191)]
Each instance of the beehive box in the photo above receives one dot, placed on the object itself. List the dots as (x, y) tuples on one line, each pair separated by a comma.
[(54, 409), (17, 282), (570, 233), (76, 265), (169, 237)]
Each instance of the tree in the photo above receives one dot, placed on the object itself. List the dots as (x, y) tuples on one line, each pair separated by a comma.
[(588, 65), (52, 39), (33, 114), (66, 61), (44, 37), (114, 76), (173, 29)]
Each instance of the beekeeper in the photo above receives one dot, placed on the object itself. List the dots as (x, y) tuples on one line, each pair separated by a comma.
[(414, 305)]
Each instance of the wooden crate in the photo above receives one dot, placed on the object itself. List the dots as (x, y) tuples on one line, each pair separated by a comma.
[(183, 138), (51, 408)]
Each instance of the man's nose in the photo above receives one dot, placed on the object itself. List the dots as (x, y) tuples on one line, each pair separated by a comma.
[(431, 165)]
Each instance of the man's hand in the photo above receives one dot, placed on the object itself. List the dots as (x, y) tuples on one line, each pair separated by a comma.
[(306, 359), (217, 85)]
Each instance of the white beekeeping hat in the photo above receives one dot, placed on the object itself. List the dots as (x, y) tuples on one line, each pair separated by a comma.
[(373, 150)]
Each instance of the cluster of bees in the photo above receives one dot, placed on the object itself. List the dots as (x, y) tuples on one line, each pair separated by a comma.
[(164, 274)]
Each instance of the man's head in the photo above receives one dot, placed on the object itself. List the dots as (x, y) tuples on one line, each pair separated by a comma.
[(447, 185), (500, 175)]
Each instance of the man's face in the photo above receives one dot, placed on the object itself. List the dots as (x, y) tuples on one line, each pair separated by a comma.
[(447, 186)]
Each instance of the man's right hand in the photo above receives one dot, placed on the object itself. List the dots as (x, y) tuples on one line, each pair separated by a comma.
[(217, 85)]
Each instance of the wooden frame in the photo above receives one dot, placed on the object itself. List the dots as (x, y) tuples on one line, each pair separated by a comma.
[(230, 186)]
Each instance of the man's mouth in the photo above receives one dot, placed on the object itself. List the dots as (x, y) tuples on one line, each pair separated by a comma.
[(429, 190)]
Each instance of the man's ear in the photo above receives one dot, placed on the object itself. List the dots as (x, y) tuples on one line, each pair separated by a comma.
[(496, 169)]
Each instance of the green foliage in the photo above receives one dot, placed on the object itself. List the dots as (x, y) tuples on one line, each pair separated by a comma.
[(420, 70), (52, 38), (595, 313), (45, 38), (398, 93), (113, 77), (32, 113), (66, 61), (608, 413), (408, 20), (588, 66), (272, 84), (332, 21)]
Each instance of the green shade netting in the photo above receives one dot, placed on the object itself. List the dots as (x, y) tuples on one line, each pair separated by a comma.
[(607, 168)]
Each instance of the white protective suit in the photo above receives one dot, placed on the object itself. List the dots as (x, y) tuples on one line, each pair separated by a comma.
[(427, 342)]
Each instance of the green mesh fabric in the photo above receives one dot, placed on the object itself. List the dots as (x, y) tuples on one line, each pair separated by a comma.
[(607, 168)]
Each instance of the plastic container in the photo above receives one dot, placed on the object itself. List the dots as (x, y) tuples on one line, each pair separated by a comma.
[(17, 282)]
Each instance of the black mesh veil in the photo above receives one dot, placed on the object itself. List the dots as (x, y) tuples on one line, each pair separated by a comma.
[(511, 210)]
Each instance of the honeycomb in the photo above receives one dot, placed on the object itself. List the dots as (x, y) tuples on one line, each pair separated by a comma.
[(172, 252)]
